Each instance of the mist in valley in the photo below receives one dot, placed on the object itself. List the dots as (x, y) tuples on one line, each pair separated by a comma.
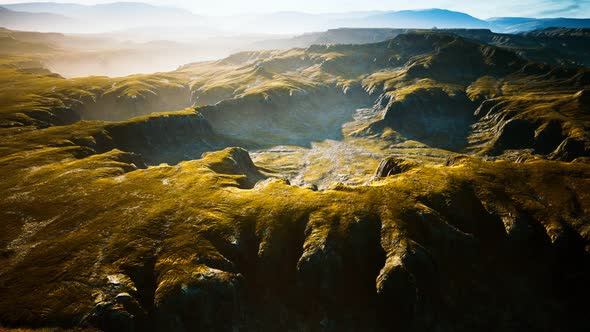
[(124, 38), (299, 165)]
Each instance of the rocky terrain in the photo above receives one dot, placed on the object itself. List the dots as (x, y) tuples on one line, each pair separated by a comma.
[(426, 182), (557, 46)]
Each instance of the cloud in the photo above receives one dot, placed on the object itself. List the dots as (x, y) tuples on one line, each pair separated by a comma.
[(565, 8)]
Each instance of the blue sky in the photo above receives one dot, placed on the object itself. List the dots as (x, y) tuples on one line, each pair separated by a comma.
[(478, 8)]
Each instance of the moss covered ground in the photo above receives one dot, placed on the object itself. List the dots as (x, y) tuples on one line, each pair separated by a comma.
[(128, 204)]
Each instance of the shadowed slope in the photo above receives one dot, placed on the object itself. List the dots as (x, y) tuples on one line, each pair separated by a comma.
[(97, 231)]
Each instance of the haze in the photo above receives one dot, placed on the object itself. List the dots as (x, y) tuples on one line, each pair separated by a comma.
[(123, 38), (482, 9), (295, 165)]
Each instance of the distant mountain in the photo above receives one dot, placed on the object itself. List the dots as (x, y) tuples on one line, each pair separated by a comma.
[(46, 7), (520, 24), (134, 16), (557, 46), (125, 15), (34, 21), (424, 19), (331, 36), (33, 37), (112, 16), (118, 9), (11, 46), (283, 22)]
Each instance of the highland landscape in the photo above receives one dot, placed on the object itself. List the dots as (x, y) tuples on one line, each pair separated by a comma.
[(375, 170)]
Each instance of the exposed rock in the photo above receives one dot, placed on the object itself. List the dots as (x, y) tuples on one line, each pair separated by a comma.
[(205, 299), (119, 105), (456, 159), (583, 97), (164, 138), (311, 187), (431, 116), (284, 119), (91, 236), (570, 149), (391, 166), (515, 134), (406, 284), (337, 269), (116, 309), (234, 161), (548, 137), (110, 316)]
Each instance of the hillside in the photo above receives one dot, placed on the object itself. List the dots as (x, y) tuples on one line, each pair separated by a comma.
[(556, 46), (34, 21), (91, 18), (111, 54), (110, 17), (426, 182)]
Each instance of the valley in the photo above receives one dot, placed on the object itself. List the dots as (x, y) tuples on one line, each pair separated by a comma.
[(427, 181)]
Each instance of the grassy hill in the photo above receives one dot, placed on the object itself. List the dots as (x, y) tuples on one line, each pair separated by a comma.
[(426, 182), (557, 46)]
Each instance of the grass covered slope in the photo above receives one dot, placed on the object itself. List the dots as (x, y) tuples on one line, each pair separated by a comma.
[(129, 247), (275, 95), (429, 182), (35, 98)]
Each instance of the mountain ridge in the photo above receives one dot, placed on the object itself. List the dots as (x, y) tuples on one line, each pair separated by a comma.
[(120, 15), (428, 182)]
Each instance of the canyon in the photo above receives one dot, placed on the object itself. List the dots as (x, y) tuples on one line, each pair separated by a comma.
[(426, 182)]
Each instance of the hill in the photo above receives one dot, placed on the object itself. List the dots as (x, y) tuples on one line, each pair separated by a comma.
[(426, 182), (424, 19), (521, 24), (557, 46), (97, 18), (113, 54), (132, 15), (34, 21)]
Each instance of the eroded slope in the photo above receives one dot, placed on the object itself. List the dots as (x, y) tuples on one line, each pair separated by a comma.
[(186, 247), (453, 193)]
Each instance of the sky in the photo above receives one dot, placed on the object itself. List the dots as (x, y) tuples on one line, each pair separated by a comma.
[(478, 8)]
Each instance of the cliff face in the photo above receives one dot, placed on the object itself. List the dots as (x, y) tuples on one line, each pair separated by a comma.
[(41, 99), (286, 118), (431, 116), (162, 138), (356, 211), (116, 105), (540, 118), (431, 248), (468, 97), (169, 138)]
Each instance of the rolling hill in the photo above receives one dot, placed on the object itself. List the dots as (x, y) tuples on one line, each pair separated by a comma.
[(558, 46), (426, 182), (132, 15), (95, 18), (35, 21)]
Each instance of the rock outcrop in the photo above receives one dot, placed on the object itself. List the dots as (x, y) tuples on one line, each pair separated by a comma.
[(391, 166), (163, 222), (430, 115)]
